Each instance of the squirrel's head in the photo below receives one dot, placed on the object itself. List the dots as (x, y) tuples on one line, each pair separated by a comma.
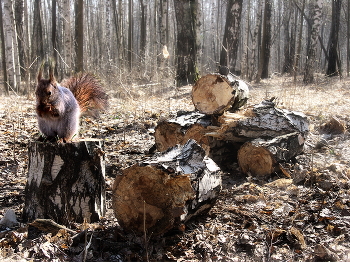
[(46, 91)]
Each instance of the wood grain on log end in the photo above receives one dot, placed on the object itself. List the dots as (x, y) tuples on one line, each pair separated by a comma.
[(166, 189), (255, 160), (212, 94)]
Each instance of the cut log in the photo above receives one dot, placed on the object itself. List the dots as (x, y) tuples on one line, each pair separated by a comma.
[(214, 94), (260, 157), (166, 190), (187, 125), (259, 121), (193, 125), (66, 182)]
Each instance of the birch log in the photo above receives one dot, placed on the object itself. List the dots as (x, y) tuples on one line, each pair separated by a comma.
[(259, 121), (214, 94), (66, 182), (187, 125), (260, 157), (166, 190)]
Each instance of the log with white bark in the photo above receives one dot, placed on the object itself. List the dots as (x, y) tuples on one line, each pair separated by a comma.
[(193, 125), (66, 182), (187, 125), (259, 121), (260, 157), (166, 190), (213, 94)]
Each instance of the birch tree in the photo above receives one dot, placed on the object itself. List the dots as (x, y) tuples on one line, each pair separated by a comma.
[(11, 47), (186, 45), (79, 35), (228, 56), (313, 36), (334, 61)]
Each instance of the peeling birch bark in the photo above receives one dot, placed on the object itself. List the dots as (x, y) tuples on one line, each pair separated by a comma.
[(259, 121), (166, 190), (66, 182)]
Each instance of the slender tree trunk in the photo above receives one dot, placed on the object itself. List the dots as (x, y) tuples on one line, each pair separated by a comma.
[(287, 54), (255, 54), (130, 35), (333, 62), (311, 51), (298, 51), (231, 39), (348, 41), (54, 33), (79, 35), (11, 47), (37, 42), (3, 53), (65, 10), (265, 43), (143, 30), (187, 45)]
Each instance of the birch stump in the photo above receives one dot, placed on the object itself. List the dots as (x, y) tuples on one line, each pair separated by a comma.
[(66, 182), (166, 190), (260, 157), (214, 94)]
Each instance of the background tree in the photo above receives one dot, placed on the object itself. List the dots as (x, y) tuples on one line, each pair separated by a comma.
[(334, 68), (79, 35), (187, 46), (228, 56), (313, 36), (263, 70)]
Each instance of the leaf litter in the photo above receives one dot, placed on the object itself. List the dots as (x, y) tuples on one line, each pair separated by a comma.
[(299, 214)]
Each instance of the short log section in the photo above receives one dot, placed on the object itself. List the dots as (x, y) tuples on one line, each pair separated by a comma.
[(259, 157), (214, 94), (187, 125), (66, 182), (166, 190)]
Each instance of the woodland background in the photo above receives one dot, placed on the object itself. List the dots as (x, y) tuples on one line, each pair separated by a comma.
[(147, 41)]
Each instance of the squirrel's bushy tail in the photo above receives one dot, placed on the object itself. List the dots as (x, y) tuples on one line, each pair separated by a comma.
[(88, 91)]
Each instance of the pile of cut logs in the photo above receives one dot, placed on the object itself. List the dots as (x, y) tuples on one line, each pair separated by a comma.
[(258, 137), (66, 182)]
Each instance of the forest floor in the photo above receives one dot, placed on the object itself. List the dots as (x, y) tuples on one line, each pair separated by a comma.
[(302, 218)]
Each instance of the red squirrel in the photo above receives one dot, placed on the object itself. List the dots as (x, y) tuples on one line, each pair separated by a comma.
[(59, 107)]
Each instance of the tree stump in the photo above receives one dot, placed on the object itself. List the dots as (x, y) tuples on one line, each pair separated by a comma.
[(166, 190), (214, 94), (66, 182), (259, 121), (259, 157)]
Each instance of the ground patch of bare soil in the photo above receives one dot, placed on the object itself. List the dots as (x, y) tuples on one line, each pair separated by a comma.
[(301, 214)]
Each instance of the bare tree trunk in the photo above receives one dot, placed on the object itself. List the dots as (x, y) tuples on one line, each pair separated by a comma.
[(79, 35), (187, 46), (54, 32), (130, 35), (288, 11), (298, 51), (334, 60), (263, 71), (348, 41), (313, 35), (3, 53), (255, 54), (37, 42), (231, 39), (143, 30), (65, 10), (11, 47)]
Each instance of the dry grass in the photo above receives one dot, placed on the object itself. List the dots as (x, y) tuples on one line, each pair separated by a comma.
[(126, 127)]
